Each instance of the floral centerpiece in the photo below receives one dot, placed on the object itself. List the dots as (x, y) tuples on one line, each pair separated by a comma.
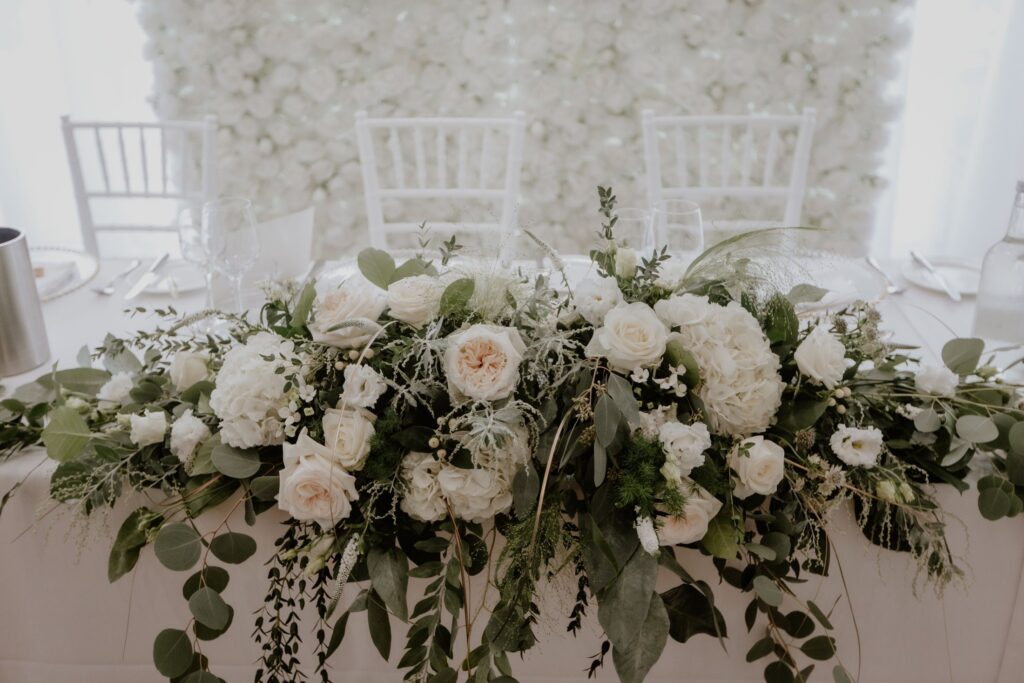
[(408, 417)]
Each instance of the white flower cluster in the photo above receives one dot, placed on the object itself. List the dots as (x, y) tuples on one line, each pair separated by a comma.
[(740, 383), (284, 80)]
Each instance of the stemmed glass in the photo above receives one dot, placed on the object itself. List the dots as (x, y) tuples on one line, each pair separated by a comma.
[(230, 228), (633, 230), (195, 248), (678, 226)]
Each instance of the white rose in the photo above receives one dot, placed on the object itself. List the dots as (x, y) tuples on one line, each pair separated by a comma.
[(187, 368), (692, 524), (482, 362), (356, 301), (935, 380), (117, 388), (632, 336), (187, 432), (363, 386), (594, 297), (314, 487), (148, 428), (415, 300), (475, 495), (625, 262), (422, 499), (683, 310), (857, 447), (347, 435), (684, 446), (759, 466), (822, 357)]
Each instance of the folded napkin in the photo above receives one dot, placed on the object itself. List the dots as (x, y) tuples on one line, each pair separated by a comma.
[(52, 276)]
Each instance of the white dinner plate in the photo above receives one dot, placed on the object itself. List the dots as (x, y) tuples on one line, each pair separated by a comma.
[(72, 269), (177, 277), (964, 275), (847, 280)]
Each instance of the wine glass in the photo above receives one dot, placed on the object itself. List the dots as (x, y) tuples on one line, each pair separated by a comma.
[(233, 244), (195, 247), (633, 230), (678, 226)]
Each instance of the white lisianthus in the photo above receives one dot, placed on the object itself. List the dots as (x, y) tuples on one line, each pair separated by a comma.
[(363, 386), (594, 297), (857, 447), (116, 389), (187, 368), (314, 487), (475, 495), (936, 380), (684, 446), (415, 300), (759, 466), (148, 428), (632, 336), (422, 499), (692, 524), (187, 432), (646, 533), (356, 302), (741, 387), (482, 362), (821, 357), (625, 262), (250, 395), (347, 435)]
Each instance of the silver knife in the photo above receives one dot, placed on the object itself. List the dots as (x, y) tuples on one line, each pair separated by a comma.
[(147, 278), (951, 291)]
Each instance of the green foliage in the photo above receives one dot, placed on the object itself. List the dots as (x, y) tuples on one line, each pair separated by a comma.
[(456, 296), (638, 479), (66, 434), (386, 449), (962, 355), (177, 546), (377, 266), (233, 547)]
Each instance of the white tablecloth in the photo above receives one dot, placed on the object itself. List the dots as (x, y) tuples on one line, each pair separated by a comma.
[(60, 621)]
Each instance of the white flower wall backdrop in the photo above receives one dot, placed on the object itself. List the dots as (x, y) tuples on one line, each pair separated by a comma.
[(286, 78)]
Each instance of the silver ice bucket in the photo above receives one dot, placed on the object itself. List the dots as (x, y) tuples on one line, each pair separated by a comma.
[(23, 344)]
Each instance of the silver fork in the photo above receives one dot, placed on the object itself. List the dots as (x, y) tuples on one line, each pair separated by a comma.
[(890, 286), (111, 286)]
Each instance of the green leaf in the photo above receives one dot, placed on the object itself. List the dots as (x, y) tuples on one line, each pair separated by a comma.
[(172, 652), (412, 267), (994, 503), (233, 547), (234, 462), (66, 434), (761, 648), (722, 539), (304, 306), (805, 293), (1015, 467), (927, 421), (976, 429), (265, 488), (380, 625), (377, 266), (634, 661), (841, 675), (767, 590), (389, 576), (457, 295), (962, 355), (606, 420), (798, 624), (600, 463), (819, 647), (201, 677), (194, 393), (781, 325), (621, 391), (337, 634), (691, 612), (209, 608), (625, 602), (1016, 438), (819, 615), (123, 361), (202, 462), (81, 380), (214, 577), (778, 672), (677, 354), (525, 489), (131, 538), (177, 546)]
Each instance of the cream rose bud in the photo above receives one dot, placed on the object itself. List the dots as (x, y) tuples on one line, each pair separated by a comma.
[(632, 337), (415, 300), (347, 435), (187, 432), (857, 447), (692, 525), (821, 357), (314, 486), (148, 428), (482, 362), (116, 389), (935, 380), (595, 297), (684, 444), (475, 495), (187, 368), (759, 466), (625, 262), (355, 301), (363, 386)]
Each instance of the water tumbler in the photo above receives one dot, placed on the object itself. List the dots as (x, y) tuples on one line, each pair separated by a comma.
[(23, 343)]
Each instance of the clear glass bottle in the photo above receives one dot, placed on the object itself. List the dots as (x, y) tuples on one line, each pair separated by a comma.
[(1000, 307)]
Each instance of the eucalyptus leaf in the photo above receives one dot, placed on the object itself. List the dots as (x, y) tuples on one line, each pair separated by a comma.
[(265, 488), (634, 661), (377, 266), (81, 380), (456, 296), (235, 462), (691, 612), (927, 421), (233, 547), (626, 601), (606, 419), (131, 537), (1016, 438), (976, 429), (214, 577), (722, 538), (172, 652), (621, 391), (202, 461), (201, 677), (209, 608), (962, 355), (177, 546), (819, 647), (767, 590), (841, 675), (66, 434), (389, 576)]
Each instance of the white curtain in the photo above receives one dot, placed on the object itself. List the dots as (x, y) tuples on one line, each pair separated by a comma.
[(960, 148), (77, 57)]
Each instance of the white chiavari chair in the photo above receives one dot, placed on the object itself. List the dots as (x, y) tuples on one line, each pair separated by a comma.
[(151, 169), (440, 159), (758, 158)]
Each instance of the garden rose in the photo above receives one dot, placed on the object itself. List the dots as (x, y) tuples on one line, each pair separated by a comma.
[(482, 362), (363, 386), (594, 297), (632, 336), (187, 368), (347, 435), (857, 447), (148, 428), (355, 301), (475, 495), (422, 499), (821, 357), (187, 432), (759, 466), (314, 487), (415, 300), (692, 524), (935, 380)]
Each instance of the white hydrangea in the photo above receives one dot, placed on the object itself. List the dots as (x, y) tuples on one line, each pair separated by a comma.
[(250, 395), (741, 387), (595, 296)]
